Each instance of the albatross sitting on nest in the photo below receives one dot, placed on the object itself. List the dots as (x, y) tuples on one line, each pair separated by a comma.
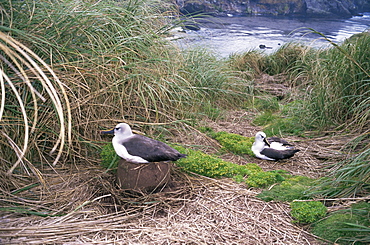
[(140, 149), (272, 148)]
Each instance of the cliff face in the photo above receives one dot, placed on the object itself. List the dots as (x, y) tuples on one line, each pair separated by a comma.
[(275, 7)]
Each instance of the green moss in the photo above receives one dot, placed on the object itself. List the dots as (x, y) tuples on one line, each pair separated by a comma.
[(211, 166), (235, 143), (308, 212), (263, 179), (214, 167), (109, 158), (292, 188)]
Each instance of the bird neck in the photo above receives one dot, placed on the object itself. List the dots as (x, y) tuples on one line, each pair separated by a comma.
[(122, 137)]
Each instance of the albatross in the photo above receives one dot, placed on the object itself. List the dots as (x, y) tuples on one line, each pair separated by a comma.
[(137, 148), (273, 148)]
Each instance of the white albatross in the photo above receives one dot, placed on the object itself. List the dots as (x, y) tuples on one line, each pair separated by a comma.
[(273, 148), (137, 148)]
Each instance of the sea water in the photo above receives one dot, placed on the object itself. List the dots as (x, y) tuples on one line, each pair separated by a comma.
[(236, 34)]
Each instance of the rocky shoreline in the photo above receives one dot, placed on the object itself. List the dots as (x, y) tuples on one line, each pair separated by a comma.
[(309, 8)]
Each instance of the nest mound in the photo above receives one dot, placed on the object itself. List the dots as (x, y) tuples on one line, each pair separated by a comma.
[(83, 205)]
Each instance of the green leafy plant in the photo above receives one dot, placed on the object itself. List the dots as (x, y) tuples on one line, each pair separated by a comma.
[(307, 212), (235, 143)]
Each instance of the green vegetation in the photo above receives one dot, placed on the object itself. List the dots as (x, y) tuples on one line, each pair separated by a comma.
[(349, 226), (337, 77), (308, 212), (235, 143), (351, 179), (69, 67), (340, 95), (264, 179), (109, 60), (275, 124), (289, 58), (214, 167), (265, 104), (292, 188), (109, 158)]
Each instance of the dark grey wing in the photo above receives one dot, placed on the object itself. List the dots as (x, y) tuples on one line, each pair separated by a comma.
[(151, 150), (280, 140), (278, 155)]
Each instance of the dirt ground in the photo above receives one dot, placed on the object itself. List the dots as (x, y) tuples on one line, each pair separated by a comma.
[(82, 204)]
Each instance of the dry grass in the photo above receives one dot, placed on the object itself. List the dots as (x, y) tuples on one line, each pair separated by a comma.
[(195, 210), (86, 207)]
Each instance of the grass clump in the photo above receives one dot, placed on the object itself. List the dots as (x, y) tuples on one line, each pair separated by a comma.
[(340, 85), (266, 104), (287, 57), (274, 124), (109, 158), (276, 118), (249, 63), (109, 59), (292, 188), (308, 212), (349, 226), (350, 179)]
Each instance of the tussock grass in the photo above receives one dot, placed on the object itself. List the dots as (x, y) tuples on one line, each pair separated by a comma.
[(34, 105), (335, 80), (348, 178), (113, 65), (290, 58), (349, 226), (340, 80)]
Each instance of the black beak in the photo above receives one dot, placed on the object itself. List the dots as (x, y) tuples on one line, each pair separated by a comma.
[(267, 143), (107, 132)]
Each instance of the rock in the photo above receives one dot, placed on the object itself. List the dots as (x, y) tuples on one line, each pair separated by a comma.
[(262, 46), (342, 8), (145, 177), (324, 7)]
